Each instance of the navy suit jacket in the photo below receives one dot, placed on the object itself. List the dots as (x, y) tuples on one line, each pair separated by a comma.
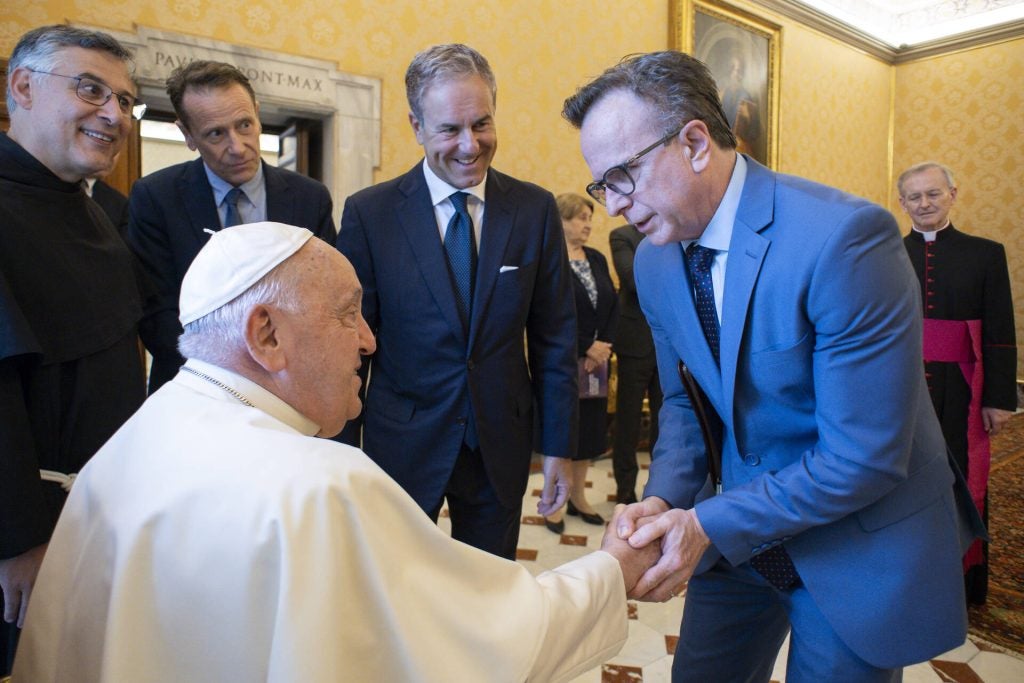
[(170, 209), (428, 372), (830, 442)]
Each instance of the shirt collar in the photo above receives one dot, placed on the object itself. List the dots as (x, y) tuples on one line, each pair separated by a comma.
[(260, 398), (718, 234), (440, 190), (221, 186)]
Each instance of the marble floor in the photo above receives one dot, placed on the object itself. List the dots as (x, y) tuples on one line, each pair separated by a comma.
[(653, 628)]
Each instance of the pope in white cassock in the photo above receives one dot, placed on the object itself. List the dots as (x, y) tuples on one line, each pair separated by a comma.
[(214, 539)]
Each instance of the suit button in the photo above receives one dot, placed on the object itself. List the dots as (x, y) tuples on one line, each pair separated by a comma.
[(461, 421), (751, 460), (470, 364)]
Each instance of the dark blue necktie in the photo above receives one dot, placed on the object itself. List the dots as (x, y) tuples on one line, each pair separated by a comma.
[(773, 564), (698, 260), (232, 217), (458, 244)]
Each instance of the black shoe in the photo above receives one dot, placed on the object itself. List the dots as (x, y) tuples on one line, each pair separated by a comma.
[(589, 518), (555, 527)]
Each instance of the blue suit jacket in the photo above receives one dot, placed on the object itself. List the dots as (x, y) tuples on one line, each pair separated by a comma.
[(169, 210), (830, 442), (429, 372)]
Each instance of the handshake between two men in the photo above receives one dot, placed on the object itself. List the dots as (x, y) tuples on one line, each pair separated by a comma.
[(657, 547)]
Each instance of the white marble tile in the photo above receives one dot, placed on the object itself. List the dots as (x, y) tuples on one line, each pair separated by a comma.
[(659, 671), (964, 653), (645, 645), (921, 673), (663, 617), (996, 667)]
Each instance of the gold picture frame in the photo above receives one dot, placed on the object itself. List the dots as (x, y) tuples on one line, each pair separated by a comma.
[(742, 50)]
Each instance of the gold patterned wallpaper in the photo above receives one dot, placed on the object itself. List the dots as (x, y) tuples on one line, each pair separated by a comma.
[(540, 50), (842, 113)]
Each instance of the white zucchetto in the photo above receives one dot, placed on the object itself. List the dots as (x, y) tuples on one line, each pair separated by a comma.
[(233, 261)]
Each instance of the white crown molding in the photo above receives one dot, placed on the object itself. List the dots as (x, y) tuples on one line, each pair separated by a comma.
[(857, 38)]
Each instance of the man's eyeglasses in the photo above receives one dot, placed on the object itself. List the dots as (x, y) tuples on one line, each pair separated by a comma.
[(94, 92), (617, 178)]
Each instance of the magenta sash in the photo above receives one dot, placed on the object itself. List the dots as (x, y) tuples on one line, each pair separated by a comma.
[(959, 341)]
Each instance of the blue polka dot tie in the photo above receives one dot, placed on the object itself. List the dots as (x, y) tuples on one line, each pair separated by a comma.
[(773, 564), (698, 260), (232, 217), (458, 244)]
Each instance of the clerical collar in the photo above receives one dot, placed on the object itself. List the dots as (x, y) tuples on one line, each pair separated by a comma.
[(213, 380), (929, 235), (440, 190), (718, 234)]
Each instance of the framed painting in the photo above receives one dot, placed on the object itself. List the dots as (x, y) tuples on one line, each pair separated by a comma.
[(742, 52)]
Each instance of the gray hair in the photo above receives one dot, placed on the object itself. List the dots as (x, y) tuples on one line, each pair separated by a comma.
[(679, 87), (39, 50), (924, 166), (218, 337), (441, 63)]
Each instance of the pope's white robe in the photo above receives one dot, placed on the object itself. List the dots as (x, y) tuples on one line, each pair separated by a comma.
[(212, 541)]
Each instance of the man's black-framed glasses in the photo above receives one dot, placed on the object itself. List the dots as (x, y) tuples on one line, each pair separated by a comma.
[(97, 93), (618, 179)]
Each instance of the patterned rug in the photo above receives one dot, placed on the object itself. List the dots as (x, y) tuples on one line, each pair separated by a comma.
[(1001, 620)]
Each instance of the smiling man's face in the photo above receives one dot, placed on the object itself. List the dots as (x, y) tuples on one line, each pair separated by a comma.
[(71, 137), (457, 131)]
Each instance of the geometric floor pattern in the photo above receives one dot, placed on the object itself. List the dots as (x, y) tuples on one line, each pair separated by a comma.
[(653, 628)]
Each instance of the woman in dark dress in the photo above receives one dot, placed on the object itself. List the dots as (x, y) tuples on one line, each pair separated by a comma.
[(596, 315)]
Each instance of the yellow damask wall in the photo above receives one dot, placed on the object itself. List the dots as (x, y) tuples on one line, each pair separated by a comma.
[(842, 113), (964, 110), (540, 50)]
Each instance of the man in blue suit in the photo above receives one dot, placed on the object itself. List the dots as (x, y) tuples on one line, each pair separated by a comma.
[(838, 516), (173, 212), (457, 262)]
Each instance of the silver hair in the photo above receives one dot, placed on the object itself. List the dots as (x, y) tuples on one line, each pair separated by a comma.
[(441, 63), (219, 336), (39, 50), (924, 166)]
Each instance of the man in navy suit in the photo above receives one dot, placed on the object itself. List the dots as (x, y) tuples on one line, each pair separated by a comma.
[(174, 211), (457, 262), (838, 517)]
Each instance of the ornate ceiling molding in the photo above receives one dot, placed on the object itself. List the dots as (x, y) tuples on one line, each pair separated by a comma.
[(831, 26)]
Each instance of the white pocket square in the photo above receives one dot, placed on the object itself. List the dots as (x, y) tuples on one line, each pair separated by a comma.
[(505, 269)]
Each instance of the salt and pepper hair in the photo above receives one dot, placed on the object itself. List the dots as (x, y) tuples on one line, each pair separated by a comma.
[(203, 74), (679, 87), (924, 166), (218, 337), (40, 48), (442, 63), (571, 205)]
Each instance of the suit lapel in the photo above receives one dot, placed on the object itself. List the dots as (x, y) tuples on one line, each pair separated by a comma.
[(499, 216), (683, 326), (280, 202), (197, 196), (747, 250), (416, 216)]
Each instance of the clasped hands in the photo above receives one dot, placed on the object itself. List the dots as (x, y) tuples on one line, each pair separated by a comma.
[(657, 547)]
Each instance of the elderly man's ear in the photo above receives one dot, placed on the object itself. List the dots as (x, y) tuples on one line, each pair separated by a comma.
[(262, 338)]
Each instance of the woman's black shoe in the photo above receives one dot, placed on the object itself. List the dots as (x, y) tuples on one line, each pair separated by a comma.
[(555, 527), (589, 518)]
